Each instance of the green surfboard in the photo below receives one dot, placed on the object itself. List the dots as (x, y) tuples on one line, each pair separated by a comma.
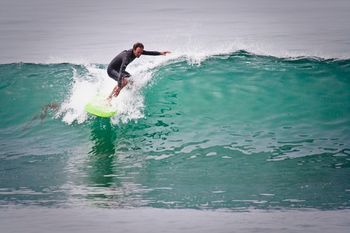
[(99, 106)]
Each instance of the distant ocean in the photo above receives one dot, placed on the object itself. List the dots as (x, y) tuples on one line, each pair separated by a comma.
[(245, 127)]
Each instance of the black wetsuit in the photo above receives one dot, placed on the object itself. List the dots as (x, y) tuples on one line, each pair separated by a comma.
[(116, 69)]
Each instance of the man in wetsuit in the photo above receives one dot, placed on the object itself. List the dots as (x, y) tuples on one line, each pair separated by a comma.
[(116, 69)]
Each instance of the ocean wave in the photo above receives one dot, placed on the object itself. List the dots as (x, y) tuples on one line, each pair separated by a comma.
[(299, 95)]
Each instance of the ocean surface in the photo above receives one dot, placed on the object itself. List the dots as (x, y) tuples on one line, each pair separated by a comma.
[(244, 127)]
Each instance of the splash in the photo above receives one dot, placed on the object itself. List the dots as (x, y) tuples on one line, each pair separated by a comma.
[(84, 88), (129, 104)]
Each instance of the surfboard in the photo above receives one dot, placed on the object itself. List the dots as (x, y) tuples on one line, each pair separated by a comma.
[(99, 106)]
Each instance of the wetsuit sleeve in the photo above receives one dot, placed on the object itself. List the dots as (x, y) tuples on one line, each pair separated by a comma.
[(152, 53)]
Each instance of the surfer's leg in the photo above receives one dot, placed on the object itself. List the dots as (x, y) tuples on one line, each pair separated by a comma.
[(114, 75), (115, 90), (122, 82)]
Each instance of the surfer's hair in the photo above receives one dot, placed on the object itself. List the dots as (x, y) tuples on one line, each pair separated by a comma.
[(138, 45)]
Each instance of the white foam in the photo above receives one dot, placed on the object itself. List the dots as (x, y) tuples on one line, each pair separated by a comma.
[(82, 90), (130, 102)]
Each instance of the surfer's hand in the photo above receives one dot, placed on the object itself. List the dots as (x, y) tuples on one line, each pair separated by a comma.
[(164, 52)]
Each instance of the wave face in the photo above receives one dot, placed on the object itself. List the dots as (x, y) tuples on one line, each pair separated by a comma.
[(228, 131)]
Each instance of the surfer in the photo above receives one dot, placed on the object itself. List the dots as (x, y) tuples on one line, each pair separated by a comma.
[(116, 69)]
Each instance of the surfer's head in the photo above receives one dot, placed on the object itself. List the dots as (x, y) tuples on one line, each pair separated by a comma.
[(137, 49)]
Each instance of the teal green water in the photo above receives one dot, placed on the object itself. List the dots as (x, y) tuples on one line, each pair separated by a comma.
[(236, 131)]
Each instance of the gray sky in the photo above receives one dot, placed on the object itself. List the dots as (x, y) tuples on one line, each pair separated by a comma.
[(93, 31)]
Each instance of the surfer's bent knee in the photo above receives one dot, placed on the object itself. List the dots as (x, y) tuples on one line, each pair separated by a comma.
[(113, 74)]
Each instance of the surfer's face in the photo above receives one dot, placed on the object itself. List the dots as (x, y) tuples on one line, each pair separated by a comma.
[(138, 51)]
